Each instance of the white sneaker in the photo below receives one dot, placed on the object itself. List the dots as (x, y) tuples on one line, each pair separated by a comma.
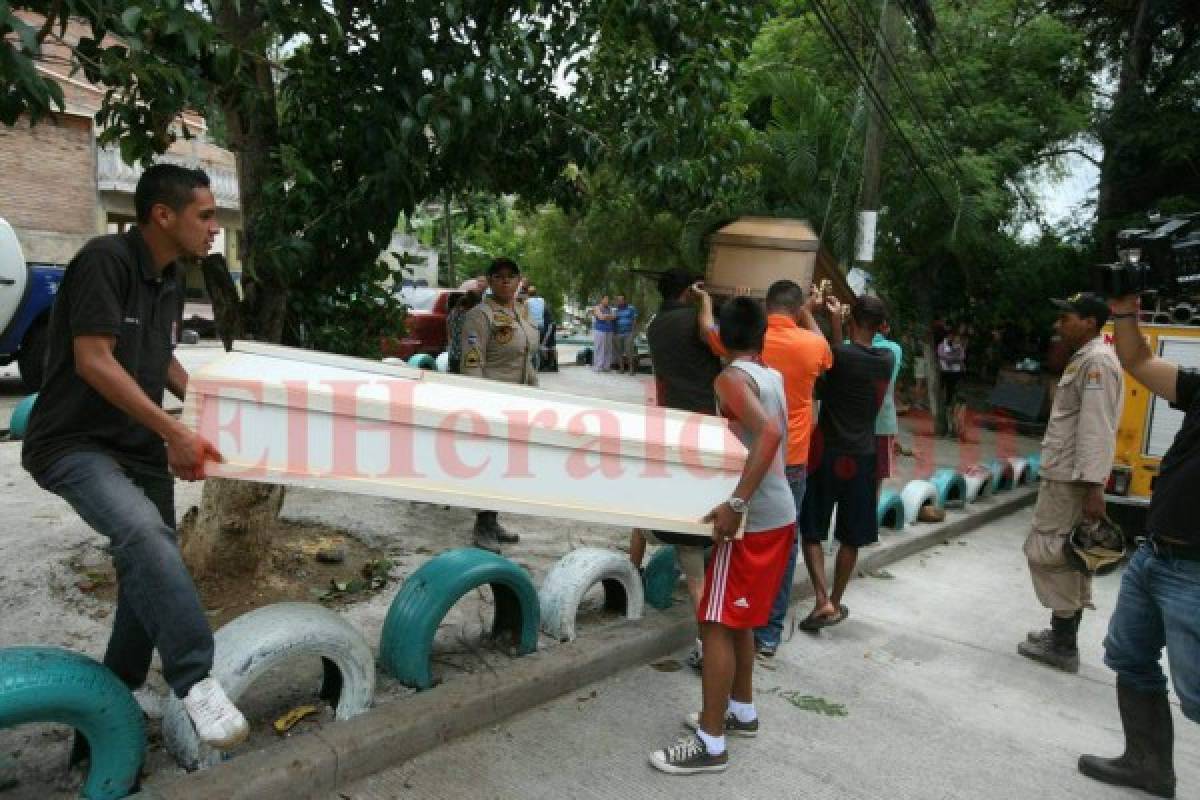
[(218, 722)]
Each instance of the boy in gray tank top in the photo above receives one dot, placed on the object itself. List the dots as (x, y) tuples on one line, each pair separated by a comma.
[(744, 573)]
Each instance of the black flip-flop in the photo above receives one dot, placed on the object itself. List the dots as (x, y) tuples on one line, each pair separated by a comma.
[(813, 622)]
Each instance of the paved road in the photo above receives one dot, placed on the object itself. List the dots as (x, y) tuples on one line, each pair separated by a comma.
[(937, 703)]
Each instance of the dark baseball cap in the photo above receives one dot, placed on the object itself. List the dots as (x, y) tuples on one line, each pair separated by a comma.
[(1085, 304), (503, 263), (672, 282)]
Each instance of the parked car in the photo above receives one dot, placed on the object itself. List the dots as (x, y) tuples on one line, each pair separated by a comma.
[(425, 323), (27, 294)]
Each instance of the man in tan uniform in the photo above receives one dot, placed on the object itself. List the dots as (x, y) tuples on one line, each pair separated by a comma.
[(1077, 455), (498, 343)]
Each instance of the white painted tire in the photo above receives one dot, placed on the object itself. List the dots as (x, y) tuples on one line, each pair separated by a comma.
[(569, 580), (915, 495), (442, 362), (979, 482), (1019, 466), (254, 643)]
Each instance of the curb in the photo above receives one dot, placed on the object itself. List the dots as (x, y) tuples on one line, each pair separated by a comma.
[(317, 764)]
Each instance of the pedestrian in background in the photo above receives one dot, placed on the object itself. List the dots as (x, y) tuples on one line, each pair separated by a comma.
[(602, 335), (625, 322), (952, 360)]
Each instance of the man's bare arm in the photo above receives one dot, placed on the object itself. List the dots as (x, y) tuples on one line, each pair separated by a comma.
[(177, 379), (98, 367), (1156, 374)]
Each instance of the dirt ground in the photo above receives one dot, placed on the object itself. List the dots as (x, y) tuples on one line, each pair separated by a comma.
[(57, 587)]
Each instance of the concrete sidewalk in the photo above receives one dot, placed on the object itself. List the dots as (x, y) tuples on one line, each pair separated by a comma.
[(936, 704), (316, 764)]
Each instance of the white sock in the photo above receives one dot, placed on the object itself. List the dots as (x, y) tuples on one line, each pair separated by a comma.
[(700, 647), (715, 745), (743, 711)]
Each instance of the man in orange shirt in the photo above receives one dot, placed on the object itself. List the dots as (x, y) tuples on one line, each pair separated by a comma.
[(795, 347)]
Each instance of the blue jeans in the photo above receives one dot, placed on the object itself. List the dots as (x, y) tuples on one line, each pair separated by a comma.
[(157, 603), (1158, 606), (772, 632)]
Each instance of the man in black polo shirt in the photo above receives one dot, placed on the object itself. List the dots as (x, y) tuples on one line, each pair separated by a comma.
[(1159, 602), (99, 438), (683, 349)]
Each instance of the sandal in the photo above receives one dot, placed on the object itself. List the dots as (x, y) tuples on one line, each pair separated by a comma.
[(814, 622)]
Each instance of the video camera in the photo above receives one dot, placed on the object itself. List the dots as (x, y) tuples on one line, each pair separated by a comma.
[(1165, 259)]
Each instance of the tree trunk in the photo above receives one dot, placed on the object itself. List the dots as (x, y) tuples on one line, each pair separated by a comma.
[(1113, 201), (230, 533), (231, 529)]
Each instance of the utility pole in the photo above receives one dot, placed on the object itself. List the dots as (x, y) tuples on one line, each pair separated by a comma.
[(890, 20)]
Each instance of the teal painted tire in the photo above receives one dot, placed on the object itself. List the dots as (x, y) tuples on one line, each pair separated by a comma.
[(660, 578), (50, 684), (1033, 467), (19, 422), (406, 644), (890, 511), (422, 361), (951, 488), (1002, 475)]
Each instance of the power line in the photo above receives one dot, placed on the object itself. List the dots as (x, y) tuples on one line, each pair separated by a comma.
[(886, 52), (843, 46)]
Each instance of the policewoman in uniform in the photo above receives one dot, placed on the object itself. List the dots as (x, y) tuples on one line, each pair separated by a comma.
[(499, 341), (1077, 455)]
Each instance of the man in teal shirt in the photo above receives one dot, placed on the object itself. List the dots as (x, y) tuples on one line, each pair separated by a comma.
[(887, 427)]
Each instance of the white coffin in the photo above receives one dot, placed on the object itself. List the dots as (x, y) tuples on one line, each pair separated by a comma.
[(297, 417)]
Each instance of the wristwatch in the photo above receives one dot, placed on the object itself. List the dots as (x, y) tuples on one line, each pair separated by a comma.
[(737, 504)]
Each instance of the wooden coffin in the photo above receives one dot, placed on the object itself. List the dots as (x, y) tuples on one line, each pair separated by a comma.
[(296, 417)]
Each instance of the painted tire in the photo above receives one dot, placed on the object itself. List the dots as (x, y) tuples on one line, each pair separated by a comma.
[(442, 362), (422, 361), (256, 642), (1019, 469), (915, 495), (951, 488), (580, 570), (19, 422), (412, 620), (660, 578), (1002, 475), (979, 482), (50, 684), (890, 511), (1033, 467)]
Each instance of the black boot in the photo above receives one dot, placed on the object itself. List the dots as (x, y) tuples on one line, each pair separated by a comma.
[(1148, 762), (485, 532), (502, 533), (1046, 635), (1060, 649)]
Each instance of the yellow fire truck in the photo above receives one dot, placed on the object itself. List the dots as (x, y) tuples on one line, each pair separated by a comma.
[(1148, 423)]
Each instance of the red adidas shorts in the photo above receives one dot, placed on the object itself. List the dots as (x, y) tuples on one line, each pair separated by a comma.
[(743, 577)]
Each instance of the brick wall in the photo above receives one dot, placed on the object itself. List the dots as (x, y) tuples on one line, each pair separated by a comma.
[(48, 176)]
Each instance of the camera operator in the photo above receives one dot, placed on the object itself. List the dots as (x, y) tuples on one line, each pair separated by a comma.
[(1160, 591)]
